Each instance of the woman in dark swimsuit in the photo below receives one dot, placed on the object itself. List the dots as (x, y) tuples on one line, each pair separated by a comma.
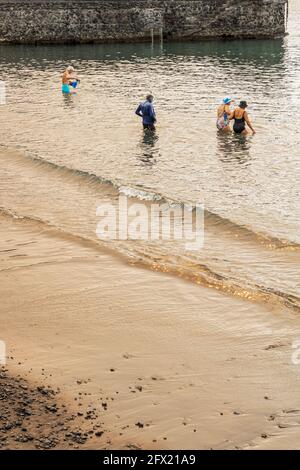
[(241, 118)]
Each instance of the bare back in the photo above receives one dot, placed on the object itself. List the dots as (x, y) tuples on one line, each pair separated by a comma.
[(223, 109), (66, 78), (240, 113)]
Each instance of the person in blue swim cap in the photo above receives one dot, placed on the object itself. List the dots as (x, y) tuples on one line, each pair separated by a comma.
[(223, 113)]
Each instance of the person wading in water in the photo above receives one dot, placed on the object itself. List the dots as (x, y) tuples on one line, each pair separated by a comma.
[(241, 118), (68, 80), (146, 111), (223, 114)]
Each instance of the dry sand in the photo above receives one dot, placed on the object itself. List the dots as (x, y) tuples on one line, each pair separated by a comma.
[(159, 363)]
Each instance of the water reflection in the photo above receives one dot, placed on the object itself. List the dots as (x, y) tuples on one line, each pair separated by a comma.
[(148, 147), (268, 52), (68, 100), (188, 80), (232, 148)]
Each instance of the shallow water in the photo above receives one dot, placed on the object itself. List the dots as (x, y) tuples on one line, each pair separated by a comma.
[(248, 184)]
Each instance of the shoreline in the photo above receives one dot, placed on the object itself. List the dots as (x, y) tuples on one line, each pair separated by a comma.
[(166, 364), (226, 240), (93, 42)]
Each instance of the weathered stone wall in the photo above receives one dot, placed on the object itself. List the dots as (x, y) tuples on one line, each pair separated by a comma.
[(44, 21)]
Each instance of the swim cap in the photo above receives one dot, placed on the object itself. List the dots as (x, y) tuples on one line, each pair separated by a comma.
[(227, 100)]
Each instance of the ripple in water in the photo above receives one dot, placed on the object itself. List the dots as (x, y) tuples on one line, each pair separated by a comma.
[(251, 184)]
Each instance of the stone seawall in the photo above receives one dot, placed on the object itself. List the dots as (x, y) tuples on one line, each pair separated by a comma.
[(83, 21)]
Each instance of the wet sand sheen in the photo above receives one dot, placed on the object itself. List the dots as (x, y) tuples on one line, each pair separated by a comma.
[(178, 365)]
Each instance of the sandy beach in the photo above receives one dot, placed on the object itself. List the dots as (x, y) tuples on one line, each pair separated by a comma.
[(161, 362), (136, 341)]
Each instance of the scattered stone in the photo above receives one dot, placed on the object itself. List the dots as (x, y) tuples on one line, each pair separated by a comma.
[(273, 346), (52, 408), (30, 418), (139, 425), (127, 356)]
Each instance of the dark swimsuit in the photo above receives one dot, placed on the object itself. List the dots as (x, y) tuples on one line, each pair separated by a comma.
[(239, 125)]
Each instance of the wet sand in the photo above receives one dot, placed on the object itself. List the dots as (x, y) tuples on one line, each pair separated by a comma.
[(160, 362)]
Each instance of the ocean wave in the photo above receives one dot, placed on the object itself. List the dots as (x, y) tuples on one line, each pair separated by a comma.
[(197, 273), (146, 194)]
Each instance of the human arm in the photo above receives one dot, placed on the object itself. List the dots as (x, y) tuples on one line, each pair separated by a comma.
[(139, 111), (72, 79), (152, 113), (246, 117), (69, 78), (227, 110), (231, 116)]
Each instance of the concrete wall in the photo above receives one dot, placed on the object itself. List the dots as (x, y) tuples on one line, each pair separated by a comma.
[(59, 21)]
